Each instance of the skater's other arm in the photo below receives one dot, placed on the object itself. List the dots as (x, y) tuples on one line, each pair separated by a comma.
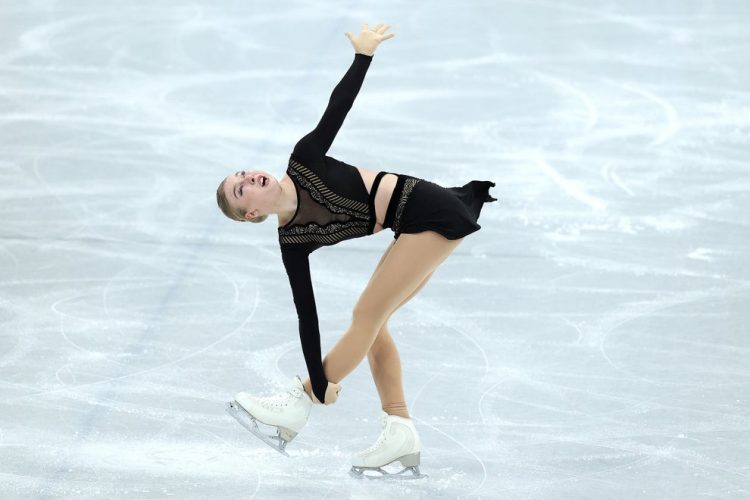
[(297, 265), (319, 140)]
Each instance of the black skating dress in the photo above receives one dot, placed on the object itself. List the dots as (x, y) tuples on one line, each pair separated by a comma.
[(333, 205)]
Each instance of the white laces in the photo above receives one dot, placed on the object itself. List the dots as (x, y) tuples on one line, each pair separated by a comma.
[(278, 400), (381, 439)]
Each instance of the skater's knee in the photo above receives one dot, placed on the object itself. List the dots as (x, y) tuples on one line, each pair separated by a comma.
[(368, 317)]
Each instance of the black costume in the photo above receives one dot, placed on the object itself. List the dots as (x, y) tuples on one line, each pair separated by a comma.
[(333, 205)]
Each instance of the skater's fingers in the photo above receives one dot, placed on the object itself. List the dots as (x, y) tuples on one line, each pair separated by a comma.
[(332, 393), (383, 28)]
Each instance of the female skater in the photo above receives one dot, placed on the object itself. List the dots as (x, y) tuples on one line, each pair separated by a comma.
[(321, 202)]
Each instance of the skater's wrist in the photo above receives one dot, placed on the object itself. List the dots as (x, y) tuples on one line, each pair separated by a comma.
[(331, 395)]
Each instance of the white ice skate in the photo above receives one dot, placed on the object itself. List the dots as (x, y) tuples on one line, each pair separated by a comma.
[(287, 412), (398, 441)]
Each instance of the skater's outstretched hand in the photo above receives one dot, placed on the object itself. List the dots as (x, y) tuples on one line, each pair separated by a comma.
[(369, 39), (332, 394)]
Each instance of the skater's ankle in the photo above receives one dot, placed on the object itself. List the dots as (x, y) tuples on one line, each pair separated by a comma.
[(307, 385), (397, 408), (398, 413)]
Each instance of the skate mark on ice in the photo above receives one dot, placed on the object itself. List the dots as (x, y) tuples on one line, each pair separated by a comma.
[(572, 188), (439, 315), (609, 173), (155, 368), (591, 110), (55, 307), (462, 445), (487, 391), (445, 319), (631, 312), (670, 112)]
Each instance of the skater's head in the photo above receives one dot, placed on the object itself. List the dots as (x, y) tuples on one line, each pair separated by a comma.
[(250, 196)]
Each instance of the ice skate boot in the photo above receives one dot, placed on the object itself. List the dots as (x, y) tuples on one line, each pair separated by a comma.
[(287, 412), (398, 441)]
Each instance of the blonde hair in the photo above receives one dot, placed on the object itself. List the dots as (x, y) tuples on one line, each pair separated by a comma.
[(233, 213)]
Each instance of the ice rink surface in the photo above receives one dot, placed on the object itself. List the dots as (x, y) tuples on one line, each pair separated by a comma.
[(589, 342)]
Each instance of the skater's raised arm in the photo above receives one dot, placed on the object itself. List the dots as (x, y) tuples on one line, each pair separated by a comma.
[(319, 140), (297, 265)]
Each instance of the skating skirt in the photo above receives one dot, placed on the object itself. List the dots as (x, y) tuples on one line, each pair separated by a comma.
[(419, 205)]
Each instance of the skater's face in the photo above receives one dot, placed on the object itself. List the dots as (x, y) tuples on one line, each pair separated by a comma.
[(252, 194)]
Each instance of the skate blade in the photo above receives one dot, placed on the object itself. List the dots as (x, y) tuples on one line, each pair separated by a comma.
[(383, 475), (250, 423)]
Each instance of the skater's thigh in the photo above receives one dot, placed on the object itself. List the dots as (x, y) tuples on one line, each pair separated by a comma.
[(382, 258), (410, 260), (414, 292)]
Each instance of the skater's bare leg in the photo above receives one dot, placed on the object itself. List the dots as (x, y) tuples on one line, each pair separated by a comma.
[(411, 259), (385, 363)]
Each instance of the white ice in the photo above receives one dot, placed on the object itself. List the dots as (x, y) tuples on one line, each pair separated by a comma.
[(589, 342)]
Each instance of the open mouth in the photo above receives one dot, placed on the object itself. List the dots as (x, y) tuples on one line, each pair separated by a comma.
[(263, 181)]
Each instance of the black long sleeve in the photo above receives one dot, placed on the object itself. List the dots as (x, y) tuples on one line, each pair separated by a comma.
[(297, 265), (319, 140)]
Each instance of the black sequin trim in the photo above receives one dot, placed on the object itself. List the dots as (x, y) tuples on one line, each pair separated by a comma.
[(327, 234), (405, 192)]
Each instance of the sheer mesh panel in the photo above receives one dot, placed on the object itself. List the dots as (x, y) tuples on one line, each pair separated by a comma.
[(312, 211)]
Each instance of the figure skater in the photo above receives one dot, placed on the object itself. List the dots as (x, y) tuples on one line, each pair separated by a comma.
[(320, 202)]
